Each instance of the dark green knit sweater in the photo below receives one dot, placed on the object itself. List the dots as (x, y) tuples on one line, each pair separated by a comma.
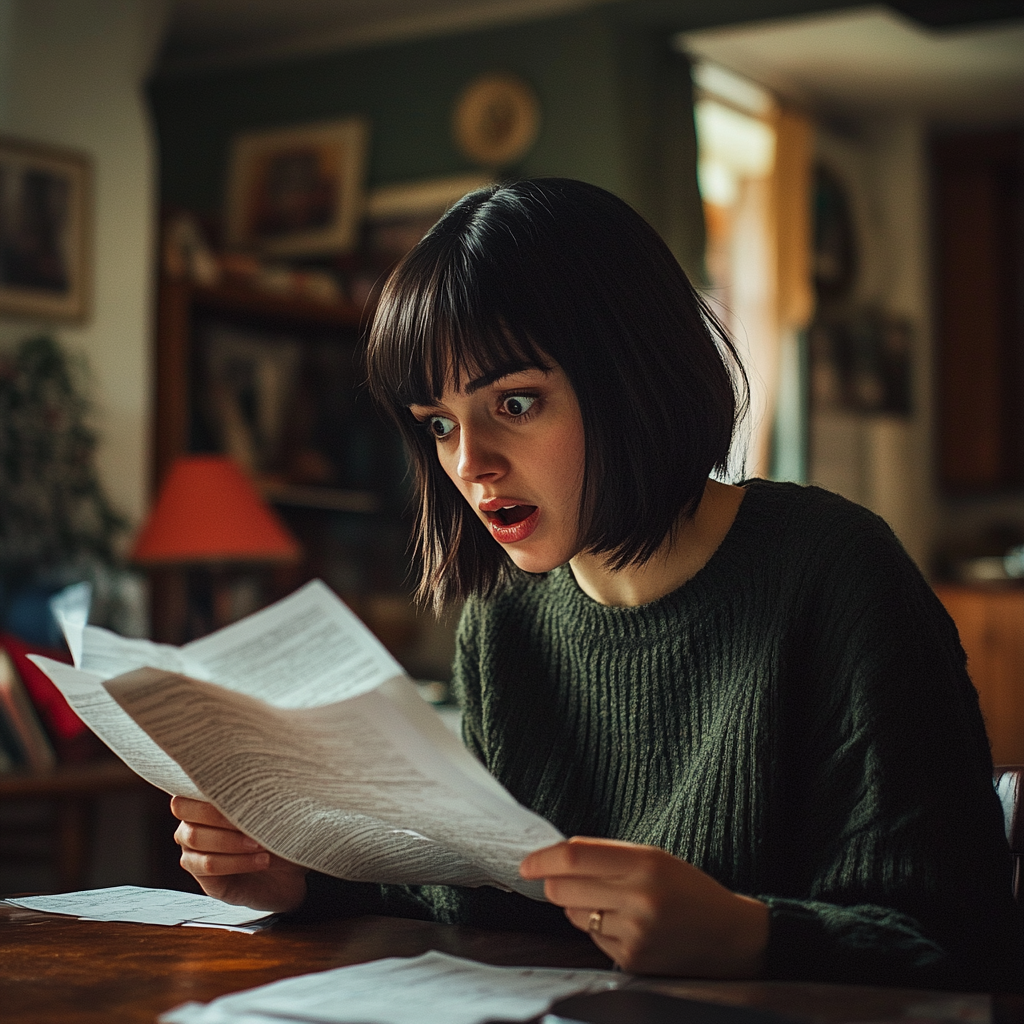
[(796, 720)]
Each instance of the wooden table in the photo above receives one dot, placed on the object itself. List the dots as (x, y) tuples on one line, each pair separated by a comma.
[(57, 970)]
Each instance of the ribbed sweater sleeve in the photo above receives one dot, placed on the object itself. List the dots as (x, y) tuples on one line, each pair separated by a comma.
[(896, 867)]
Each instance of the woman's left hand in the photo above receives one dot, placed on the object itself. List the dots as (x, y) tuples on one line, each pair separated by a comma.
[(652, 913)]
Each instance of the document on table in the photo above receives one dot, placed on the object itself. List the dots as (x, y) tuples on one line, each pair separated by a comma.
[(430, 989), (306, 734), (146, 906)]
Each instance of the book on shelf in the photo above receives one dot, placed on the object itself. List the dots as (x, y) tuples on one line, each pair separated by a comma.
[(9, 752), (23, 742)]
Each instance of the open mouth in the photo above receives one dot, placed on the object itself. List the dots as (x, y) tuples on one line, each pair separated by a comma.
[(511, 515)]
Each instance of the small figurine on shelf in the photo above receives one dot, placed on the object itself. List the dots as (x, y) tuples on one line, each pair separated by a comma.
[(319, 285), (186, 253)]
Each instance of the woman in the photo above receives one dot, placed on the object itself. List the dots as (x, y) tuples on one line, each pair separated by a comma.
[(747, 696)]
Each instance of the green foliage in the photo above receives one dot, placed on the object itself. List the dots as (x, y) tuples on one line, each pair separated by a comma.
[(53, 510)]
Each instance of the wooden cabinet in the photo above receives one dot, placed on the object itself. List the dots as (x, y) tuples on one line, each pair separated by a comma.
[(978, 191), (62, 842), (991, 625)]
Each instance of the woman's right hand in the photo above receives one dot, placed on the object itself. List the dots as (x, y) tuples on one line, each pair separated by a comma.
[(231, 866)]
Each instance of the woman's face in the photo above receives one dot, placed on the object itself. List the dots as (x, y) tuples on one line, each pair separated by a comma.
[(513, 445)]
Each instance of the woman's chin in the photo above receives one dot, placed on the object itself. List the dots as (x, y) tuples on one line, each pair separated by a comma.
[(536, 561)]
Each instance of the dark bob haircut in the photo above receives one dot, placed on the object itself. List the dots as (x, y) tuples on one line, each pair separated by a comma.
[(553, 269)]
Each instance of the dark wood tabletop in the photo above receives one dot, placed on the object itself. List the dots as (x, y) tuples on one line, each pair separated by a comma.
[(58, 970)]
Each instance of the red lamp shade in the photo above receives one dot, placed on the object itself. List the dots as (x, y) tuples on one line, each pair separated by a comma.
[(209, 511)]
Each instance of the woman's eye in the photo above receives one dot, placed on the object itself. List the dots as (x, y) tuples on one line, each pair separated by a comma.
[(516, 405), (440, 426)]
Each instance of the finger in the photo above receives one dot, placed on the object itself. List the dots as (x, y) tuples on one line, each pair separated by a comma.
[(606, 939), (575, 891), (207, 865), (581, 918), (205, 839), (559, 859), (187, 809), (581, 856), (220, 887)]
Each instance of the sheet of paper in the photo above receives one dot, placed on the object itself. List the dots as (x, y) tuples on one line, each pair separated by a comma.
[(305, 650), (91, 702), (355, 789), (144, 906), (430, 989), (373, 785), (70, 609)]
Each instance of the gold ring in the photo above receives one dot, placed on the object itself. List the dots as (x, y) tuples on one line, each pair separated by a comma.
[(595, 921)]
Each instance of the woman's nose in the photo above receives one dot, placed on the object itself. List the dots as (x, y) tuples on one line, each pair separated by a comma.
[(479, 457)]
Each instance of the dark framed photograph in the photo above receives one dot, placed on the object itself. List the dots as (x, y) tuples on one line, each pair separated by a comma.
[(297, 191), (45, 197), (861, 362)]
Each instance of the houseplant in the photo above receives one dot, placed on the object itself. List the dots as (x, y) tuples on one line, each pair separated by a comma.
[(57, 525)]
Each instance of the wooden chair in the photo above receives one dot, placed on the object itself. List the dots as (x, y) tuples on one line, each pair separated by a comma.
[(1009, 782)]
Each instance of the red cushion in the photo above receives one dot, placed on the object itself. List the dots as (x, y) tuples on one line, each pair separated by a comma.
[(60, 721)]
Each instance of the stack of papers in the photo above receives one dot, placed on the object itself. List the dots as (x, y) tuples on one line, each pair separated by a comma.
[(147, 906), (308, 736), (430, 989)]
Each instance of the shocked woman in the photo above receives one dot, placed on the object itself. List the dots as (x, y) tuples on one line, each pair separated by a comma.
[(743, 702)]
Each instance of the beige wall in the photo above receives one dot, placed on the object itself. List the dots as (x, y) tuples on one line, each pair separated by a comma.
[(884, 461), (71, 74)]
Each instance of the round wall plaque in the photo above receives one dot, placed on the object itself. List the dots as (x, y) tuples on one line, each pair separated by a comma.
[(496, 120)]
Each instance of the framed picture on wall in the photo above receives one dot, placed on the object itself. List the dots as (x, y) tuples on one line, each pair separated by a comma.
[(45, 196), (297, 191), (399, 215)]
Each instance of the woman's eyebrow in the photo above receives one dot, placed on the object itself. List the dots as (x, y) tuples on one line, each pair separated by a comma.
[(500, 372)]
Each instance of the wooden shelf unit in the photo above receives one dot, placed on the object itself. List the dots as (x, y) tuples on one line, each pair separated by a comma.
[(74, 791), (356, 509), (178, 303)]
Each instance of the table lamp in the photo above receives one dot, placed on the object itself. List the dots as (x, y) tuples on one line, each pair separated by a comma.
[(208, 513)]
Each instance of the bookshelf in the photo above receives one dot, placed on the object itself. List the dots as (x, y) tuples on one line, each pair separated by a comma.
[(276, 381)]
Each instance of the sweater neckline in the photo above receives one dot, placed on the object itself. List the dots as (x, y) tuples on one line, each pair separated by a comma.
[(696, 589)]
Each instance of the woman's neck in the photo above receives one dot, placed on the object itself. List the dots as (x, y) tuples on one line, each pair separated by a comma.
[(681, 556)]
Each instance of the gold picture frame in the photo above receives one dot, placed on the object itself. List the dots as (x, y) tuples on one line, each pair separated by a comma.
[(298, 191), (496, 120), (45, 231)]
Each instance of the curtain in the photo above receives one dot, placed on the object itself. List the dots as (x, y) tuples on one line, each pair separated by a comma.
[(792, 184), (660, 143)]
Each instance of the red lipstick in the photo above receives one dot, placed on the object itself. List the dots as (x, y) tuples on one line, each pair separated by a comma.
[(510, 521)]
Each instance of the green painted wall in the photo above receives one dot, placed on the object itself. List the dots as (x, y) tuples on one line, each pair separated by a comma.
[(609, 95), (407, 92)]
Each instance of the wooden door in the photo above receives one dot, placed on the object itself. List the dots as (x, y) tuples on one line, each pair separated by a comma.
[(978, 189)]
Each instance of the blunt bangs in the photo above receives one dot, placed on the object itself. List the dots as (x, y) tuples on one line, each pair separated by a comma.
[(519, 275), (439, 334)]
